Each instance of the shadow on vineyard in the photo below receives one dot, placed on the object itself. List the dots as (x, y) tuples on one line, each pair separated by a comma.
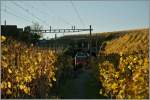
[(75, 84), (83, 86), (113, 58)]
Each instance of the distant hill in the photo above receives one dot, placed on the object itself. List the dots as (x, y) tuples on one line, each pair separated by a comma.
[(111, 42), (107, 36)]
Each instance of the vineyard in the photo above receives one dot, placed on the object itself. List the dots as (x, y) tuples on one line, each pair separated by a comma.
[(27, 71), (123, 67), (120, 70)]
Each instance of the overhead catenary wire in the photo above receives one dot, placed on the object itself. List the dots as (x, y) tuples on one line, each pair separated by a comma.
[(59, 17), (29, 12), (76, 11), (52, 13), (24, 17), (39, 10)]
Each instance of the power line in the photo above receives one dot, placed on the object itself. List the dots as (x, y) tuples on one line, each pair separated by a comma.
[(59, 17), (29, 12), (38, 10), (20, 16), (80, 19), (16, 15)]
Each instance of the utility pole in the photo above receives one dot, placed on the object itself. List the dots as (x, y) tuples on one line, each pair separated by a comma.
[(5, 22), (90, 44), (5, 26), (50, 28), (55, 42), (96, 43)]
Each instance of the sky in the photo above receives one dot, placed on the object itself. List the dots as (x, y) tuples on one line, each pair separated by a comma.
[(104, 16)]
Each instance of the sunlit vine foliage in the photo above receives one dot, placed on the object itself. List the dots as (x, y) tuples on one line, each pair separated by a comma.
[(125, 74), (129, 80), (26, 71)]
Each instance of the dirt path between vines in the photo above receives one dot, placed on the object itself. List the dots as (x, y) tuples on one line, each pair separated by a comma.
[(82, 87)]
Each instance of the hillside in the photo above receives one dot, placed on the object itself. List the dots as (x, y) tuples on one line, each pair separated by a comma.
[(134, 40)]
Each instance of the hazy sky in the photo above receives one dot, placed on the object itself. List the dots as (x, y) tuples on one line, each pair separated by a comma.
[(104, 16)]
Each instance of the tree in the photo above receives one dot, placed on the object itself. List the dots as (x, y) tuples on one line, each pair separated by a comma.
[(30, 37), (35, 38), (37, 27), (27, 29)]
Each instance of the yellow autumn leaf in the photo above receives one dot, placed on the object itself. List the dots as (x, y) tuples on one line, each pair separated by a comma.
[(35, 63), (123, 70), (54, 79), (21, 87), (8, 92), (135, 58), (9, 71), (26, 79), (17, 79), (121, 53), (3, 85), (3, 38), (121, 92), (5, 49), (114, 86), (9, 84), (121, 59), (40, 59), (4, 64), (117, 74), (122, 80), (26, 90), (29, 78), (140, 61), (129, 67)]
